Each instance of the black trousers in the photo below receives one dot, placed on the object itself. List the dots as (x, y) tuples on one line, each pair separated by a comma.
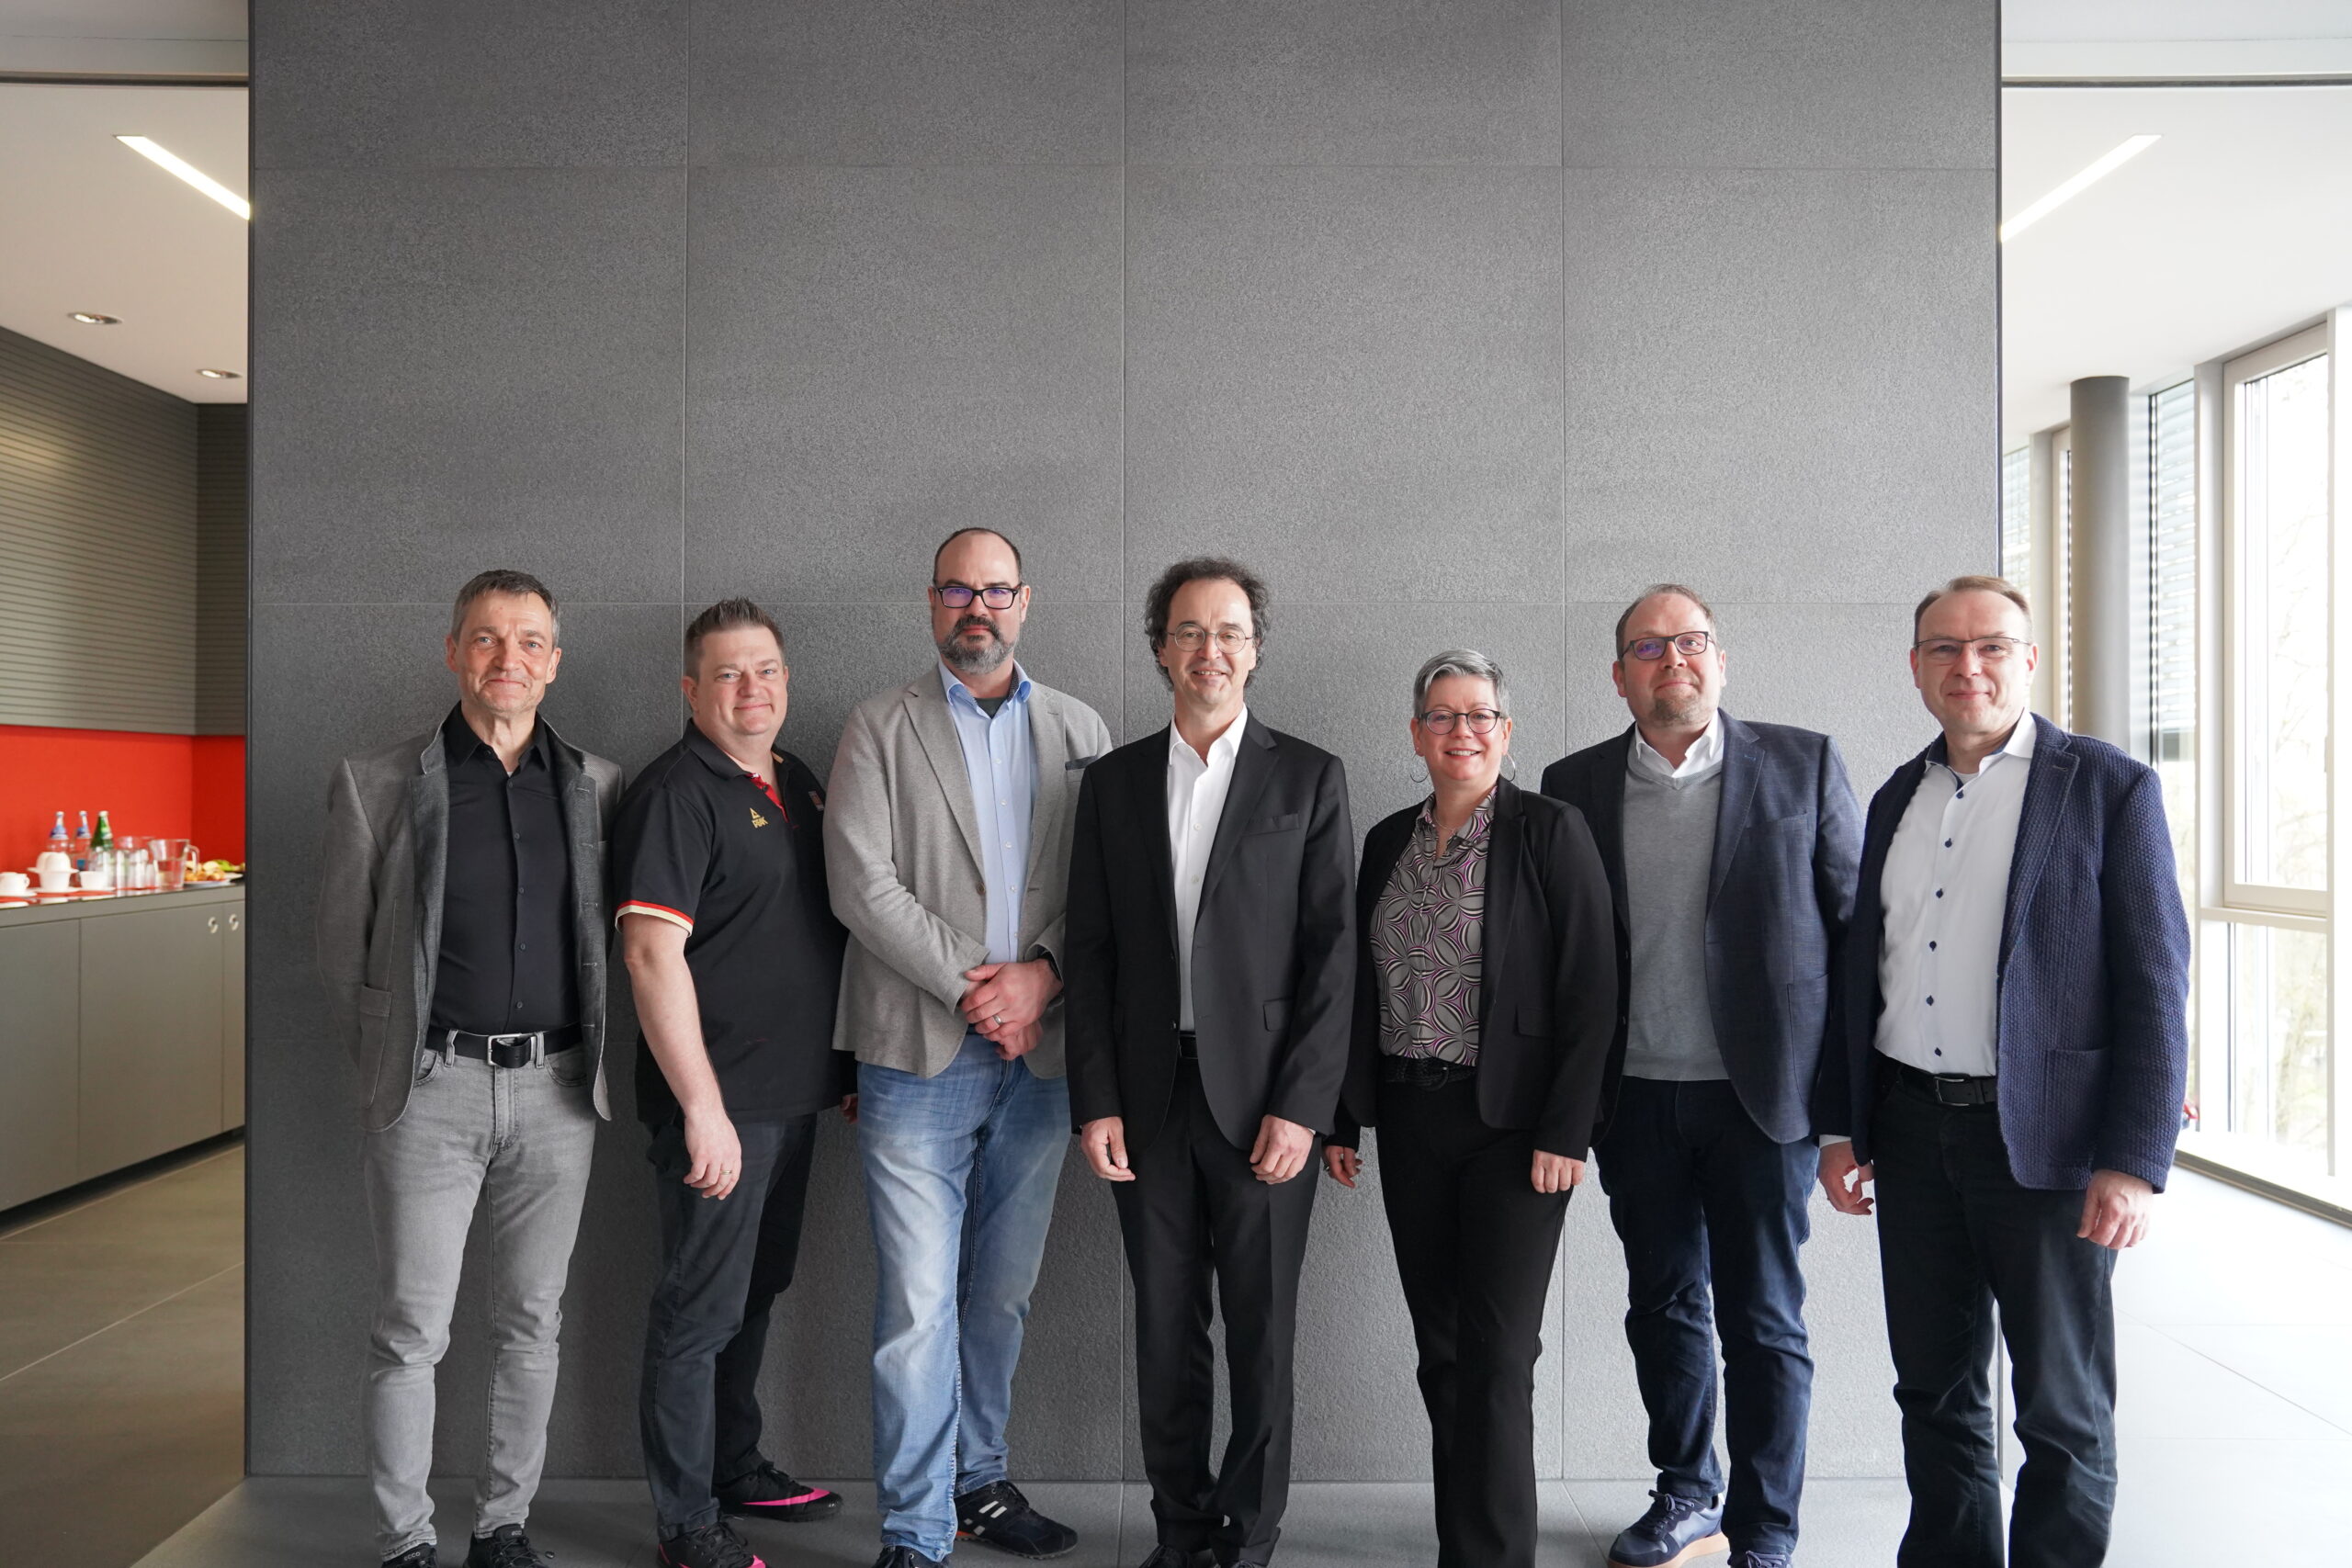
[(724, 1262), (1713, 1215), (1957, 1236), (1475, 1245), (1194, 1214)]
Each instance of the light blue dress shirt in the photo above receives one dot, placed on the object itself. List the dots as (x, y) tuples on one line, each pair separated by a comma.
[(1000, 761)]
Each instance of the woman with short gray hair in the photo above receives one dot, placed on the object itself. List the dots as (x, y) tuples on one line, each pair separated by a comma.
[(1486, 1005)]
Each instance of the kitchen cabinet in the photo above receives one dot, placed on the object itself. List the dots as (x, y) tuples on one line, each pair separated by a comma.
[(122, 1030)]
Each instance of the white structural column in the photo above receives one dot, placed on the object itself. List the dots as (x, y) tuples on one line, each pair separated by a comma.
[(2103, 611)]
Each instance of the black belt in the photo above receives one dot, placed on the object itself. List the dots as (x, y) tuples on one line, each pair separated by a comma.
[(507, 1050), (1946, 1088), (1424, 1072)]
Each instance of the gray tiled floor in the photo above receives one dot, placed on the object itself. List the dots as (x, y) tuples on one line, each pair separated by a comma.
[(121, 1363), (2235, 1341)]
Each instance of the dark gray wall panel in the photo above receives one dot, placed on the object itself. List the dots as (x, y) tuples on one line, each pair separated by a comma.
[(882, 356), (222, 494), (1796, 360), (1344, 81), (458, 84), (936, 82), (98, 523), (1781, 83), (668, 302), (1369, 356), (505, 353)]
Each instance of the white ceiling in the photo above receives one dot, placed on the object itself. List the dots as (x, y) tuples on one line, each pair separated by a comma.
[(2233, 228), (93, 226)]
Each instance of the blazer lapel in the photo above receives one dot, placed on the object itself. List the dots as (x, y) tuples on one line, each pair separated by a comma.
[(428, 799), (1505, 848), (936, 730), (1738, 796), (1606, 817), (2049, 773), (1148, 781), (1049, 814), (1253, 766)]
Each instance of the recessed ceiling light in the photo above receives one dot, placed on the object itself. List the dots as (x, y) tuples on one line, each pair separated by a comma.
[(2131, 148), (91, 319), (190, 173), (218, 374)]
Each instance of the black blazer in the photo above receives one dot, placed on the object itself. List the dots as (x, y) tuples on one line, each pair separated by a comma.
[(2093, 1020), (1273, 951), (1547, 979), (1780, 894)]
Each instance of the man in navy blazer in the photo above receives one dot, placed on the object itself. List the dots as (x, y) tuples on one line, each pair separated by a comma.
[(1730, 848), (2014, 1016)]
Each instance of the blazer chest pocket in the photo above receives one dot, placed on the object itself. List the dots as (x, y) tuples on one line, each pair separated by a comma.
[(1277, 1015), (1282, 824)]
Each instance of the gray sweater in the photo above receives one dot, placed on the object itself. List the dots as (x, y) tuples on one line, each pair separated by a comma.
[(1670, 851)]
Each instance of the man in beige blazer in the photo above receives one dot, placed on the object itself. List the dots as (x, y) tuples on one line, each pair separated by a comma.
[(947, 834)]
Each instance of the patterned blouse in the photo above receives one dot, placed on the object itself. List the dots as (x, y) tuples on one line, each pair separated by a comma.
[(1428, 932)]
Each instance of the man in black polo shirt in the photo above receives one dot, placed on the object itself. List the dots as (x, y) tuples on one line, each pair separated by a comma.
[(731, 942), (462, 937)]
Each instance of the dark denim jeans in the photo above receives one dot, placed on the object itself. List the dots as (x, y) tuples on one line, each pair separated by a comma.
[(1707, 1205), (1956, 1235)]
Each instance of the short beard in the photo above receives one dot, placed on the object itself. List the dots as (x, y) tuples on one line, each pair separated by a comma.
[(1675, 715), (985, 659)]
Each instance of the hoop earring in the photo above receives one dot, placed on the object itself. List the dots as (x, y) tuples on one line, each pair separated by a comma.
[(1418, 771), (1511, 767)]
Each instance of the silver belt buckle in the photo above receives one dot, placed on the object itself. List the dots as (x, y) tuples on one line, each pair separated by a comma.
[(499, 1042)]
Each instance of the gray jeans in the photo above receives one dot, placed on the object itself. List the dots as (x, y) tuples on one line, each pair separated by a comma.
[(520, 1138)]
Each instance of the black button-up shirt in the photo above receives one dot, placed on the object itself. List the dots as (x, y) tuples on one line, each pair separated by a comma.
[(509, 949)]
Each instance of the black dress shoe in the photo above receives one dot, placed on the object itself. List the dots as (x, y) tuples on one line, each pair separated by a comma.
[(415, 1557), (506, 1547), (1164, 1556), (997, 1515)]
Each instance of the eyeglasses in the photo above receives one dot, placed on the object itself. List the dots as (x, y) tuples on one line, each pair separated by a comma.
[(1989, 650), (955, 596), (1651, 648), (1480, 721), (1231, 639)]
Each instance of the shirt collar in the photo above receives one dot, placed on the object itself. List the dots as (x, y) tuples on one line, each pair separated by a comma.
[(707, 751), (2019, 745), (954, 687), (459, 743), (1705, 752), (1229, 742)]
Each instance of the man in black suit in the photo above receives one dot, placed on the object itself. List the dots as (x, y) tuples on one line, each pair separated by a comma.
[(1210, 957), (1731, 851), (2009, 1071)]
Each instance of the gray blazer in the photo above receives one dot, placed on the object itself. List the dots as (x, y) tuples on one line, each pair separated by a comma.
[(379, 907), (902, 859)]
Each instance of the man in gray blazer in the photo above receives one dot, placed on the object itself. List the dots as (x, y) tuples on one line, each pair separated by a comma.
[(462, 937), (947, 834)]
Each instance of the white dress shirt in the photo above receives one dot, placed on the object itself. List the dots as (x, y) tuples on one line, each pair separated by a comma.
[(1703, 761), (1196, 792), (1945, 890)]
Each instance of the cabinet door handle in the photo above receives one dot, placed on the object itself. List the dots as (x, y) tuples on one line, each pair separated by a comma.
[(212, 923), (233, 920)]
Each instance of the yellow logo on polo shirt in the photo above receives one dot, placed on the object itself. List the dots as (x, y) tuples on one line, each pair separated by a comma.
[(758, 820)]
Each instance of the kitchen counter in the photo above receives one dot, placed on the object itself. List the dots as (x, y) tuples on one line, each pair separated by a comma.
[(122, 1030)]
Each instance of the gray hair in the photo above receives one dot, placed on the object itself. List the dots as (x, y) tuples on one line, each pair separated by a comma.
[(504, 580), (1461, 662)]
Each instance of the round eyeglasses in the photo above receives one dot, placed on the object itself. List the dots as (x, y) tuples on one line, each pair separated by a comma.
[(1651, 648), (956, 596), (1478, 721), (1988, 650), (1231, 639)]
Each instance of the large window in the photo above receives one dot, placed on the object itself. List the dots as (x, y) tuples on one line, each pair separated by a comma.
[(2017, 518)]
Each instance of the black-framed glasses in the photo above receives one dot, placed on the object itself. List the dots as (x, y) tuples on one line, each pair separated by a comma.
[(1191, 637), (1480, 721), (997, 596), (1651, 648), (1989, 650)]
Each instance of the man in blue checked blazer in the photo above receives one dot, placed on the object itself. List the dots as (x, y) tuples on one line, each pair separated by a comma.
[(2015, 1046)]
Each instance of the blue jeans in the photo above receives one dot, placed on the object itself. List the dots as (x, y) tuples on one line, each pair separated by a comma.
[(960, 1173), (1709, 1207)]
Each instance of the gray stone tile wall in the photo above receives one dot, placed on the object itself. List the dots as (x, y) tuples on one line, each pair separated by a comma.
[(1460, 321)]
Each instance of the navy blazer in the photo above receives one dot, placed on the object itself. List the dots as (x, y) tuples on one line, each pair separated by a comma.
[(2093, 1048), (1778, 894)]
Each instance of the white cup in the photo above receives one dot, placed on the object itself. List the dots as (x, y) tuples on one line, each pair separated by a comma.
[(15, 885), (56, 878), (94, 879), (53, 859)]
